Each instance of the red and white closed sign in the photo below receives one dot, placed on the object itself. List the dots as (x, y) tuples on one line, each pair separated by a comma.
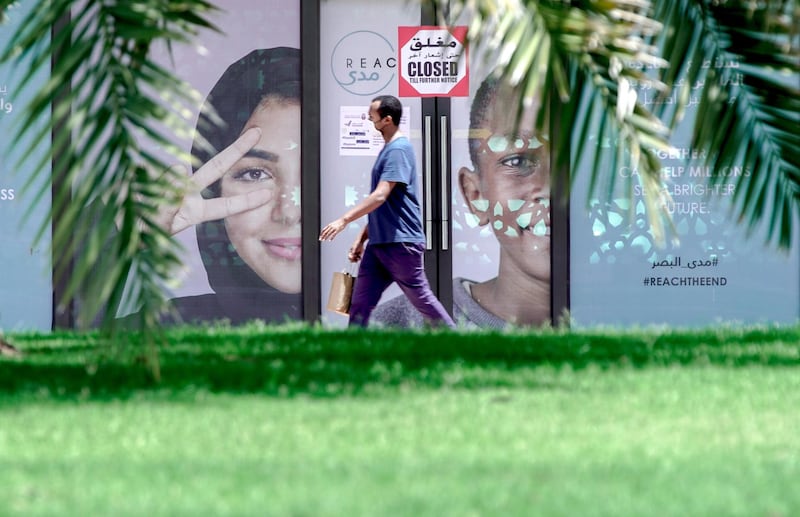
[(433, 61)]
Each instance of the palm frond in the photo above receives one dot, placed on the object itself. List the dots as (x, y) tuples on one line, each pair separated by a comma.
[(741, 56), (585, 53), (747, 60), (114, 102)]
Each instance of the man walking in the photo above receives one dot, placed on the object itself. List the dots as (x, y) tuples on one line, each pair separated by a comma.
[(394, 226)]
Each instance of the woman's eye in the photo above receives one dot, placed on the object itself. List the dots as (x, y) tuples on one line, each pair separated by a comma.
[(253, 175)]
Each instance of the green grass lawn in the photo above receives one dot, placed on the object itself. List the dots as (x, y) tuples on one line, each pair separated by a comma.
[(307, 422)]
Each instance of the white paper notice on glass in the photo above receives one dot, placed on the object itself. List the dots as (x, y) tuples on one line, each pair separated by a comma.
[(357, 135)]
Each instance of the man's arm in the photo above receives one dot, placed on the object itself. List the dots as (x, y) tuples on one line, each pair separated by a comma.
[(375, 199)]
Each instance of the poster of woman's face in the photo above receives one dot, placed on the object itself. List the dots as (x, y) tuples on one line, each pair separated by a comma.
[(268, 238), (247, 264)]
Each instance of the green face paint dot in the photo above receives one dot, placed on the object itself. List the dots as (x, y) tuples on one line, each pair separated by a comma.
[(296, 196), (481, 205), (472, 220), (540, 229), (511, 232), (498, 225), (524, 220), (515, 204), (498, 209), (498, 144)]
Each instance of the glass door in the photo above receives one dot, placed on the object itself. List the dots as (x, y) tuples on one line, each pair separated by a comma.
[(359, 61), (485, 184)]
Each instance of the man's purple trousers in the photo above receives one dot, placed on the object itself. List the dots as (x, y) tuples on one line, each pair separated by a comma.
[(399, 262)]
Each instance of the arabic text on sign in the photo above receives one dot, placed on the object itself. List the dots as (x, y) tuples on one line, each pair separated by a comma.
[(418, 45), (713, 261)]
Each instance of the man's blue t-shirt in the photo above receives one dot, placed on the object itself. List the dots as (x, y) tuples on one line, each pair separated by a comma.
[(399, 218)]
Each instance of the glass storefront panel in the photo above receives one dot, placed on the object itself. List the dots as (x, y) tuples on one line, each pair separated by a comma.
[(358, 42), (248, 265), (710, 270), (482, 209), (26, 290), (500, 208)]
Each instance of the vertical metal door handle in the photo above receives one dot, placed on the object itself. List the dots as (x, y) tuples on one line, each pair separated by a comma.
[(445, 194), (428, 166)]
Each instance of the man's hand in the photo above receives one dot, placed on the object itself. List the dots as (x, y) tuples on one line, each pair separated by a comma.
[(332, 230), (194, 209), (356, 251)]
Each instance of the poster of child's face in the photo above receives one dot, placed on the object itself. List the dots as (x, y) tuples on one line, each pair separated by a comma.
[(507, 187), (501, 205)]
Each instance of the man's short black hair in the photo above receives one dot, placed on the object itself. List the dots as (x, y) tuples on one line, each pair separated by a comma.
[(389, 105)]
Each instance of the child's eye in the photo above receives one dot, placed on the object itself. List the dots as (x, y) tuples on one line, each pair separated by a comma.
[(522, 165)]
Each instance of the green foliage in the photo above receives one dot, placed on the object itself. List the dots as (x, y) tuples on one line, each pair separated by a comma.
[(110, 103), (746, 56), (587, 53), (577, 56), (300, 359)]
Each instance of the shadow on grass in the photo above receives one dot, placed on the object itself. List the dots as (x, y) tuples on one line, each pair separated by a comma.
[(324, 363)]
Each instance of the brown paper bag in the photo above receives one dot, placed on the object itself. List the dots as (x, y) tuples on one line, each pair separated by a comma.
[(341, 292)]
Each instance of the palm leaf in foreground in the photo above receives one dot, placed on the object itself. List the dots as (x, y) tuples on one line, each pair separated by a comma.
[(112, 102), (596, 54), (746, 57), (581, 52)]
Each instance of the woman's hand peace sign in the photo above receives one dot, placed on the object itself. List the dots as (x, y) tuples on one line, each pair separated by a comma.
[(194, 209)]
